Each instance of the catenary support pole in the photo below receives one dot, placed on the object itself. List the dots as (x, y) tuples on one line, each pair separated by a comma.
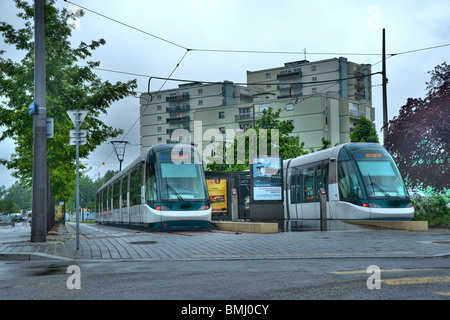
[(39, 197), (385, 115)]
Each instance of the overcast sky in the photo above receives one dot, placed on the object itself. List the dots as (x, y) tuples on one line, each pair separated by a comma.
[(326, 29)]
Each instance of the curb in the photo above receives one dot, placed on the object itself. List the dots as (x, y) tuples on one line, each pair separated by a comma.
[(396, 225)]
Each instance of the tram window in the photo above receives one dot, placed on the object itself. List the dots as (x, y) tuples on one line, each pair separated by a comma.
[(321, 179), (150, 182), (116, 194), (135, 185), (124, 190), (349, 187), (293, 187), (308, 185), (109, 198)]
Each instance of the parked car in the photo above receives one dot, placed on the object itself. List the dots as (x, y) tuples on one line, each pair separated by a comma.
[(16, 217)]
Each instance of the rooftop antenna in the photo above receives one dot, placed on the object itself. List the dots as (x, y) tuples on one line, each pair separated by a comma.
[(119, 148)]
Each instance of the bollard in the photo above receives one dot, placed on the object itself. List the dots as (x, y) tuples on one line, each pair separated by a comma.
[(234, 206), (323, 209)]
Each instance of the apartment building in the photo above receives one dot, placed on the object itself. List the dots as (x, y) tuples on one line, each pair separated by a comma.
[(323, 99), (295, 79), (165, 111)]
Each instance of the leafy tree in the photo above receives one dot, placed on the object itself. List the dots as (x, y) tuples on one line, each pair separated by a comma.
[(419, 137), (69, 85), (364, 132), (20, 195), (288, 147)]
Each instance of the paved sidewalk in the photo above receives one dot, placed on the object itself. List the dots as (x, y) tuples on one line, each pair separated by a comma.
[(216, 245)]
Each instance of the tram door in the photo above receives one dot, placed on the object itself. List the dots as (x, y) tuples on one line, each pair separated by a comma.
[(308, 196), (314, 178), (321, 181)]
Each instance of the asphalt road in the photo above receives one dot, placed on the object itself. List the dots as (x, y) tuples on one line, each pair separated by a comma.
[(288, 279)]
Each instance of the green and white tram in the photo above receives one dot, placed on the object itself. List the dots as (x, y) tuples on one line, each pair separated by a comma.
[(164, 189), (361, 180)]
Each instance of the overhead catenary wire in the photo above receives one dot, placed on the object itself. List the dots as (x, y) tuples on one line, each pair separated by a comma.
[(233, 51)]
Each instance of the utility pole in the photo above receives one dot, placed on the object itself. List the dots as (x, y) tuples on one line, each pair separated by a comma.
[(385, 80), (119, 148), (39, 198)]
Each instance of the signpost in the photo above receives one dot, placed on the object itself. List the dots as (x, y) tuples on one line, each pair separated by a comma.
[(77, 137)]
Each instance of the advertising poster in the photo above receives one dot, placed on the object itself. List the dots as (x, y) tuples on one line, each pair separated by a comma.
[(217, 189), (267, 179)]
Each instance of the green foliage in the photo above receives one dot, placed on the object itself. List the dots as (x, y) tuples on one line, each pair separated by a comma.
[(364, 132), (69, 86), (288, 147), (434, 209), (418, 138), (15, 198)]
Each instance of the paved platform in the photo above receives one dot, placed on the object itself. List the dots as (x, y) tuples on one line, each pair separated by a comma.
[(125, 244)]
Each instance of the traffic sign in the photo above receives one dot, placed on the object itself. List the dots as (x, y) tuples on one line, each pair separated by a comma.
[(73, 116), (73, 141), (81, 133), (32, 108)]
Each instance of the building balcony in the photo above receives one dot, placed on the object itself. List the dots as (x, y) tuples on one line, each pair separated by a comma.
[(170, 131), (356, 114), (182, 97), (243, 117), (178, 119), (182, 108), (289, 74)]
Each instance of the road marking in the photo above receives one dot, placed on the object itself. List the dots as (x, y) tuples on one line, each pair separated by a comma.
[(443, 293), (383, 270), (418, 280)]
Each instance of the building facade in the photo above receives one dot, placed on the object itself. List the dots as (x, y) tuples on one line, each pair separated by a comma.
[(165, 111), (299, 78)]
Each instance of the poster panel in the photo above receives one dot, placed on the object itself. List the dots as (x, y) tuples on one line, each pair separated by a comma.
[(217, 189), (267, 178)]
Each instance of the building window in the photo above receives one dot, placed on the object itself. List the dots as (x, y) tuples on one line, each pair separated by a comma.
[(159, 129), (158, 96), (314, 90), (313, 68), (222, 130), (314, 79), (221, 114), (289, 107), (268, 86), (268, 75), (159, 139), (200, 102), (200, 91), (158, 107), (159, 118)]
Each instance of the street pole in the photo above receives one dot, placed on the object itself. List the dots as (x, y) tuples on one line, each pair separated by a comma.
[(39, 197), (383, 72), (77, 137), (77, 201)]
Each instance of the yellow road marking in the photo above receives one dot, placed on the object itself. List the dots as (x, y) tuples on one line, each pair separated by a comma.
[(382, 270), (418, 280), (443, 293)]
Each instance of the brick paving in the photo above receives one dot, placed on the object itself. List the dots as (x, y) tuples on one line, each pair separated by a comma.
[(217, 245)]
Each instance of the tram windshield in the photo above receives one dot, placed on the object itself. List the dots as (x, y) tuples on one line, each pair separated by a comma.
[(380, 175), (180, 182)]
